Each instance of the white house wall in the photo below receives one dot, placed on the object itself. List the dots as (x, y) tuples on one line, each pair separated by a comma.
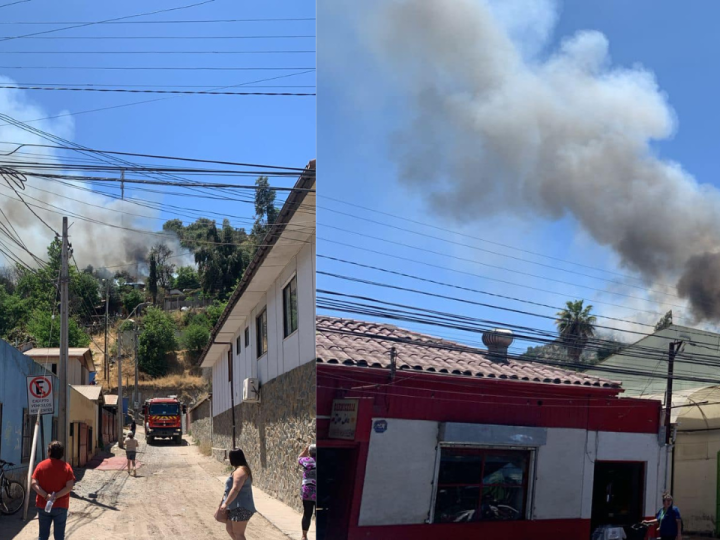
[(399, 474), (562, 486), (283, 354)]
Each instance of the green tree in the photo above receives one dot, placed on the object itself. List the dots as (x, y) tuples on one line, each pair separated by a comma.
[(195, 338), (222, 261), (214, 312), (131, 300), (84, 295), (46, 331), (576, 325), (187, 278), (156, 340)]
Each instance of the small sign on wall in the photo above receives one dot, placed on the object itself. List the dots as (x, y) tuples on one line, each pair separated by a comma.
[(343, 419), (380, 426), (40, 395)]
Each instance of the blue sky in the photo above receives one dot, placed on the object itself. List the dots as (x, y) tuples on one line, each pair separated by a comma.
[(264, 130), (363, 107)]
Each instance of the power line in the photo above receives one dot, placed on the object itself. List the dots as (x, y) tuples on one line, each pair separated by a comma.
[(14, 3), (147, 91), (161, 68), (498, 280), (156, 156), (166, 85), (521, 312), (476, 248), (110, 107), (82, 25), (484, 240), (468, 289), (3, 38), (160, 22), (473, 261), (158, 52), (459, 348), (451, 321)]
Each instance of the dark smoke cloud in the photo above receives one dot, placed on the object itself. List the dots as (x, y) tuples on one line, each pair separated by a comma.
[(495, 127)]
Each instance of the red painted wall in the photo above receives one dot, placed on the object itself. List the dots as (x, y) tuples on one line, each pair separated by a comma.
[(446, 398)]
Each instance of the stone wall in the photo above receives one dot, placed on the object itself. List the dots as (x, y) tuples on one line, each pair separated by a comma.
[(200, 430), (272, 433)]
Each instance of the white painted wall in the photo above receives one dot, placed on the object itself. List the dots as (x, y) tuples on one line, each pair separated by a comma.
[(283, 354), (400, 472), (398, 490), (559, 474)]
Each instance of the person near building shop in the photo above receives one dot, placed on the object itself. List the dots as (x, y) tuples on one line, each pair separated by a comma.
[(668, 520), (133, 427), (238, 498), (53, 480), (308, 491), (131, 446)]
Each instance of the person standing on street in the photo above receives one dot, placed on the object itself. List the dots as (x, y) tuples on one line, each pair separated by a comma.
[(668, 520), (133, 427), (131, 446), (308, 491), (53, 480), (238, 497)]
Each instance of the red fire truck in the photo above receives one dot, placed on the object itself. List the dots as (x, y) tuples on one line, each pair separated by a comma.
[(162, 419)]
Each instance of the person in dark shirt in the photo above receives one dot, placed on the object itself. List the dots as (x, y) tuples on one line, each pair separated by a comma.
[(668, 520)]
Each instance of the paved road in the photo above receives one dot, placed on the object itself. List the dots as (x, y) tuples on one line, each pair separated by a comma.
[(174, 496)]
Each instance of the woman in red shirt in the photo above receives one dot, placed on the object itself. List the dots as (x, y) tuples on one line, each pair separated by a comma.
[(53, 480)]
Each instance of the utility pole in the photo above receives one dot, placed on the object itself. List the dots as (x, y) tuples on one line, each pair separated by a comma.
[(64, 345), (674, 348), (122, 184), (393, 363), (106, 372), (135, 392), (120, 413)]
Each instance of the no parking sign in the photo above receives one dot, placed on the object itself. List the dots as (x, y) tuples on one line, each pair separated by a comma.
[(40, 395)]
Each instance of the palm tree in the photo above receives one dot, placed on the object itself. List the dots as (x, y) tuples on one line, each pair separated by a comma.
[(575, 325)]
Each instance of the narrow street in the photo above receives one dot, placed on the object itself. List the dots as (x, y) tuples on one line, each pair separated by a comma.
[(174, 495)]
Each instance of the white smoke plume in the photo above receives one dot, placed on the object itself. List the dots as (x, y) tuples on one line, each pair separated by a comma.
[(99, 245), (501, 124)]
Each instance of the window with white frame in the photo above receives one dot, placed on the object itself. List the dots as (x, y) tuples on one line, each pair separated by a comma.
[(290, 307), (481, 484), (238, 342), (261, 335), (247, 337)]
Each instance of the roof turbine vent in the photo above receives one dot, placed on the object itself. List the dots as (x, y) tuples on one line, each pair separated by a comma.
[(497, 341)]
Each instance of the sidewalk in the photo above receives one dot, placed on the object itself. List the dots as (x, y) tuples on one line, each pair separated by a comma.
[(285, 519)]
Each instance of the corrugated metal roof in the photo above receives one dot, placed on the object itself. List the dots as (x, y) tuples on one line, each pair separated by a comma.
[(648, 357), (53, 353), (359, 343), (90, 391)]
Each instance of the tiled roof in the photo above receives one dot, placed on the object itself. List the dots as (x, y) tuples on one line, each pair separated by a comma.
[(358, 343)]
